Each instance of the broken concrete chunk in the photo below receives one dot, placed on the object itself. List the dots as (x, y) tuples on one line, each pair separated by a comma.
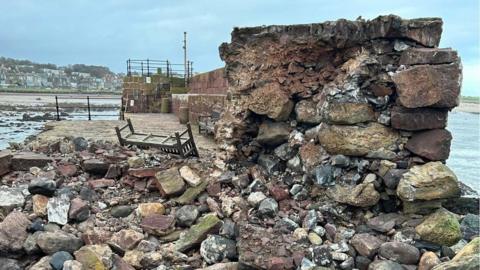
[(23, 161)]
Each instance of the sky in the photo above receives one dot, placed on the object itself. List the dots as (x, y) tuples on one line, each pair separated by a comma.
[(107, 32)]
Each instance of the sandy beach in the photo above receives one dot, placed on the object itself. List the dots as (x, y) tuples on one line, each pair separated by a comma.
[(468, 107)]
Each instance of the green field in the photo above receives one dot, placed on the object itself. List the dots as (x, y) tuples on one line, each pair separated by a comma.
[(468, 99)]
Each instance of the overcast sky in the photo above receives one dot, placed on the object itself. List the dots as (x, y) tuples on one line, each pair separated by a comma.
[(107, 32)]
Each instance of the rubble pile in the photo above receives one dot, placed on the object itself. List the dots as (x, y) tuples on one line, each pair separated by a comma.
[(332, 157)]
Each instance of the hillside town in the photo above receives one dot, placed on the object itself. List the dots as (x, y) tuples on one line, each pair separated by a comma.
[(26, 74)]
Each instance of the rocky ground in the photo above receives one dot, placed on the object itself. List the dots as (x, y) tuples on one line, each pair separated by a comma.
[(76, 204)]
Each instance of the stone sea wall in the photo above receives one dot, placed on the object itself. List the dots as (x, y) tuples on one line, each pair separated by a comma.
[(351, 105)]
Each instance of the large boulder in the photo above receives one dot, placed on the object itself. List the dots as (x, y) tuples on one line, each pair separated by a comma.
[(271, 101), (273, 133), (441, 227), (357, 140), (430, 181), (13, 232), (418, 119), (429, 86), (348, 113)]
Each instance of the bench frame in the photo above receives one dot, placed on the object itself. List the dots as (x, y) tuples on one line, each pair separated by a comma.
[(205, 120), (181, 144)]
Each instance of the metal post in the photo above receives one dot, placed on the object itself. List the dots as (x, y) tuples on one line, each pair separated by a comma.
[(56, 105), (88, 106), (185, 56), (168, 70), (148, 68), (129, 71), (121, 115), (141, 63)]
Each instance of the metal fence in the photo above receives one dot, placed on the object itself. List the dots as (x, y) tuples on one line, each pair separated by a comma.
[(88, 107), (148, 67)]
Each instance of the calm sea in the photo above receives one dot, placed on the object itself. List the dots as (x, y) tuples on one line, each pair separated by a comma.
[(464, 157)]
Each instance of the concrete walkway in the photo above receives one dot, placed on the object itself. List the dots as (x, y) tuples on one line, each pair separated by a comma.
[(157, 123)]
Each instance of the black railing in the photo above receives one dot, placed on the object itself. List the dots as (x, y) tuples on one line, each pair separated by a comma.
[(60, 107), (149, 67)]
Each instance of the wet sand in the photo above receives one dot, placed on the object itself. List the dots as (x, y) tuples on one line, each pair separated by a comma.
[(468, 107)]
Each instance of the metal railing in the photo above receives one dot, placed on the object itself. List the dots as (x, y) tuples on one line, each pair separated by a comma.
[(88, 107), (148, 67)]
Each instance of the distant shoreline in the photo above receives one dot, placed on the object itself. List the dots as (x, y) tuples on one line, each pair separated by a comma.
[(468, 107)]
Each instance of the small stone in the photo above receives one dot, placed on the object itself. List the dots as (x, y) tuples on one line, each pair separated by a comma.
[(310, 220), (158, 224), (216, 248), (441, 228), (42, 186), (51, 242), (126, 239), (80, 144), (121, 210), (362, 195), (255, 198), (135, 162), (11, 198), (321, 255), (400, 252), (324, 176), (59, 258), (133, 258), (315, 239), (271, 163), (284, 152), (13, 232), (268, 207), (120, 264), (306, 112), (169, 182), (95, 257), (9, 264), (79, 210), (428, 261), (366, 244), (40, 205), (338, 256), (147, 209), (383, 223), (319, 230), (67, 170), (300, 235), (101, 183), (340, 161), (384, 265), (186, 215), (114, 171), (72, 265), (57, 209), (95, 166), (198, 232), (190, 176), (42, 264), (296, 188)]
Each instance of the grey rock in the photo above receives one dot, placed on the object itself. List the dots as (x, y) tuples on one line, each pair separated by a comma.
[(340, 161), (287, 225), (268, 207), (296, 188), (366, 244), (75, 265), (9, 264), (362, 262), (383, 223), (319, 230), (216, 248), (121, 210), (273, 133), (11, 198), (57, 209), (284, 152), (324, 176), (470, 226), (59, 258), (295, 164), (80, 144), (186, 215), (51, 242), (229, 229), (392, 177), (400, 252), (42, 186), (95, 166), (310, 220), (270, 163), (13, 232), (30, 245), (321, 255)]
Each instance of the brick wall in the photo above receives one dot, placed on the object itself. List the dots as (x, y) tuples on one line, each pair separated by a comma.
[(213, 82)]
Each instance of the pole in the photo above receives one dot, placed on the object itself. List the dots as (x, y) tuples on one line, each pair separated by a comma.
[(56, 105), (185, 56), (148, 68), (88, 106)]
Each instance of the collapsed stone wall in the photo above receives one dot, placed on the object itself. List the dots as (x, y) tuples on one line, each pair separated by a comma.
[(356, 106)]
